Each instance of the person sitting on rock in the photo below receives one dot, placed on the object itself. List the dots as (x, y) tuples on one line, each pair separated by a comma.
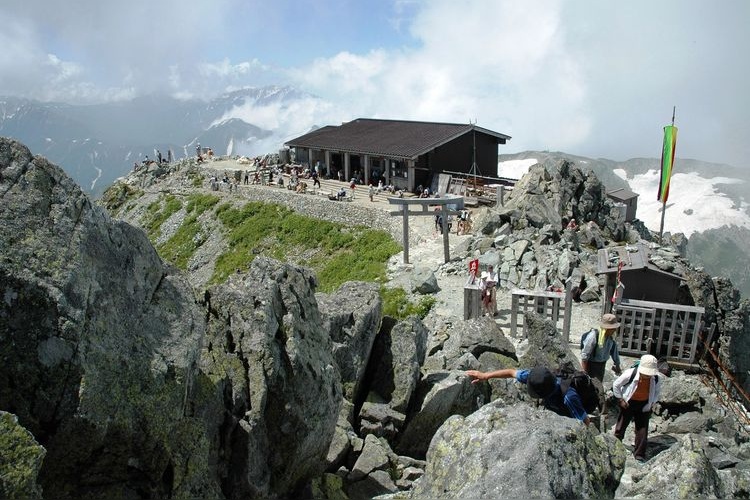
[(542, 384)]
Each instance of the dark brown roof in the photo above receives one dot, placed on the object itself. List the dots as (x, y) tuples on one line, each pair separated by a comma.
[(634, 257), (389, 138)]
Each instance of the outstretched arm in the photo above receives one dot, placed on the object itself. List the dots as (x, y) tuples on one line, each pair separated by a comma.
[(476, 375)]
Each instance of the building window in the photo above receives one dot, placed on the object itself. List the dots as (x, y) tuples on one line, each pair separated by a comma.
[(398, 169)]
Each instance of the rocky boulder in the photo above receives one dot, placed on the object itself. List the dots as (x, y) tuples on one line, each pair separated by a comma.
[(683, 471), (99, 343), (438, 396), (520, 452), (351, 316), (397, 356), (546, 346), (269, 356)]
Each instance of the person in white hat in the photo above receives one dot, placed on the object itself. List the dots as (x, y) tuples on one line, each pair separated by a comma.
[(636, 390)]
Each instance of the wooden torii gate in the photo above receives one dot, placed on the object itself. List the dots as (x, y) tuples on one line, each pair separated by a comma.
[(422, 206)]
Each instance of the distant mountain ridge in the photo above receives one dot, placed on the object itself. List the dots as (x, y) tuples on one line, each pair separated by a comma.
[(98, 143)]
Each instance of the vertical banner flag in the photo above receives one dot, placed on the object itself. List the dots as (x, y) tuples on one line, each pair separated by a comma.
[(667, 160)]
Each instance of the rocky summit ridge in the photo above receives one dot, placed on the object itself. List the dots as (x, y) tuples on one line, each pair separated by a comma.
[(123, 376)]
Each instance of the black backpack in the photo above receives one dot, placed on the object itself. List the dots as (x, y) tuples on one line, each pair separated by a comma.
[(582, 383), (593, 331)]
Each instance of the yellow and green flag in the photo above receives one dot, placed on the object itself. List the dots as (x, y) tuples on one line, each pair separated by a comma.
[(667, 161)]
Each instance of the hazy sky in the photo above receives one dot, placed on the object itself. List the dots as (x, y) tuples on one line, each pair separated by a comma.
[(592, 78)]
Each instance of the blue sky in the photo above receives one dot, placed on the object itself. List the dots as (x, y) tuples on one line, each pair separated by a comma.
[(586, 77)]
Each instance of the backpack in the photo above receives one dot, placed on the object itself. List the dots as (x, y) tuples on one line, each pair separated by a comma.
[(593, 331), (582, 383)]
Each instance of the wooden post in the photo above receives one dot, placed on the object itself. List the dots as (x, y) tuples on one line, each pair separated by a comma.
[(405, 210), (472, 302), (568, 310), (446, 248)]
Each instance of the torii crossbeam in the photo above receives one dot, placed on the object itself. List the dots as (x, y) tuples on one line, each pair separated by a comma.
[(449, 205)]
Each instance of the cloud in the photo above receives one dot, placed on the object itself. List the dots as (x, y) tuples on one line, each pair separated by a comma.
[(589, 78), (501, 64)]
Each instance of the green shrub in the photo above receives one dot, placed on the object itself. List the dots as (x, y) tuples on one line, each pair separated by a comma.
[(118, 194), (397, 305)]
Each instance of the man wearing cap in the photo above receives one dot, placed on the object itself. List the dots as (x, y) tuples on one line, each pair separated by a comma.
[(636, 390), (598, 348), (541, 384)]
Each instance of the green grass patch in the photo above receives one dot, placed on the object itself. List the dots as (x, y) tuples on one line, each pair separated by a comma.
[(336, 253), (181, 246), (397, 305), (158, 212)]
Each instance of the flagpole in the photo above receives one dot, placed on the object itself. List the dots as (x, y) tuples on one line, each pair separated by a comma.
[(664, 203)]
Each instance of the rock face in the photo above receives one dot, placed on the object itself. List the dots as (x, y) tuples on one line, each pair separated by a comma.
[(683, 471), (99, 342), (268, 356), (351, 317), (520, 452), (132, 387)]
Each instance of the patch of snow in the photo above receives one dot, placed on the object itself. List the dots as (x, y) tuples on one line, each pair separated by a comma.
[(694, 203), (99, 174), (515, 169)]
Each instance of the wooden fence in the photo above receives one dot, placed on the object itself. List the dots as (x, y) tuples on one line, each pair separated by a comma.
[(664, 330), (555, 306)]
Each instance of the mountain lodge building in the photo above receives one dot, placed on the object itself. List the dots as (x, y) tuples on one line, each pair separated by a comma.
[(406, 154)]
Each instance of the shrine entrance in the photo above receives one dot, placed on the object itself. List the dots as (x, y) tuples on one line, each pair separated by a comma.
[(449, 205)]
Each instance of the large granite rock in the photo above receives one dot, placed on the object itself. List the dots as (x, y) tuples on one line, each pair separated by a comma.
[(520, 452), (269, 356), (132, 388), (438, 396), (351, 316), (465, 341), (99, 342), (546, 346), (397, 356), (683, 471)]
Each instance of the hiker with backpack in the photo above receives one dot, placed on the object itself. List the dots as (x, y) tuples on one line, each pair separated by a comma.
[(636, 390), (558, 394), (598, 345)]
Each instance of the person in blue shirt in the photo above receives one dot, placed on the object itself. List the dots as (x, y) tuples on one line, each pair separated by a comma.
[(541, 384)]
